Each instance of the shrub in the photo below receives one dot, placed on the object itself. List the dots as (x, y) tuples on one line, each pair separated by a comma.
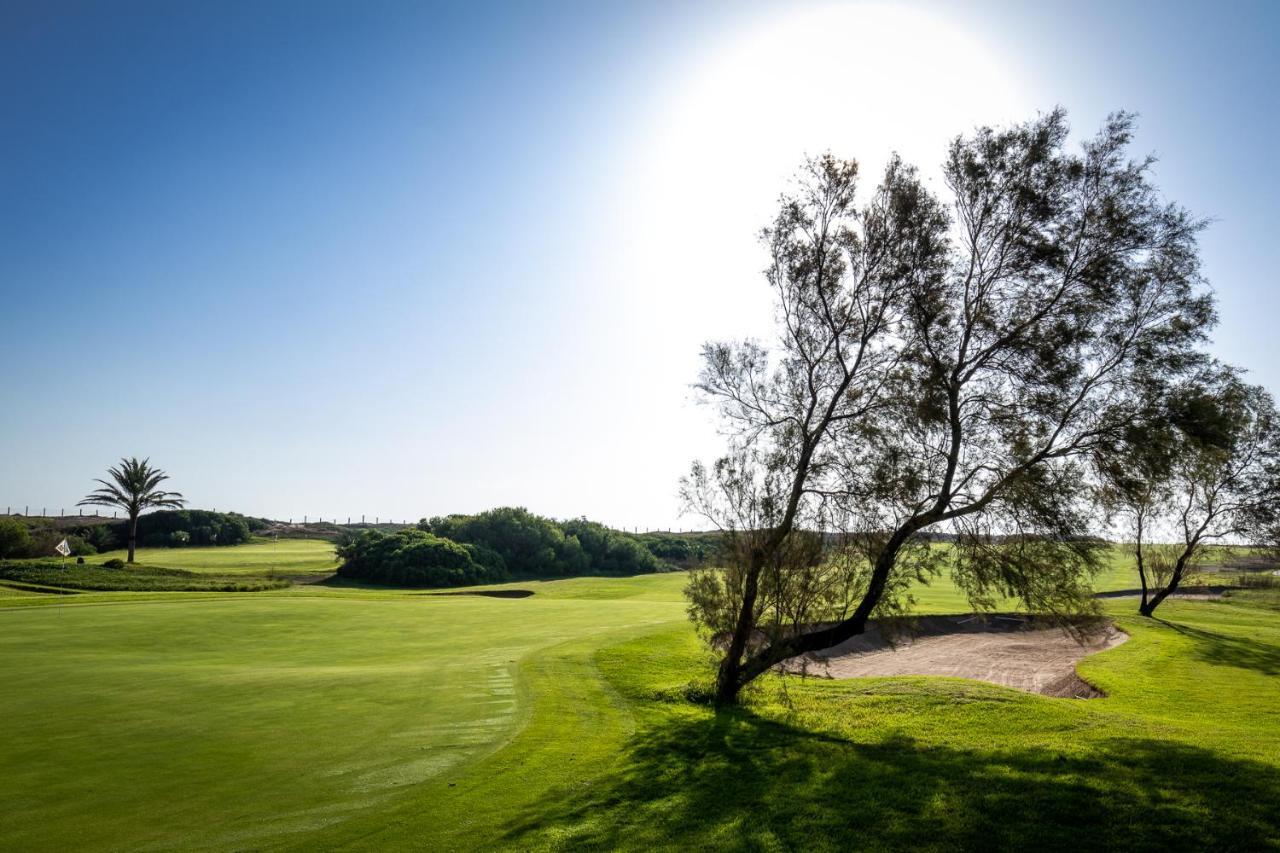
[(415, 558), (609, 551), (684, 550), (80, 547), (100, 536), (532, 546), (200, 526), (114, 563), (15, 539)]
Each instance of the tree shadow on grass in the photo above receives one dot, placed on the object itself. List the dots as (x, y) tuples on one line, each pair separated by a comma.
[(1225, 650), (736, 781)]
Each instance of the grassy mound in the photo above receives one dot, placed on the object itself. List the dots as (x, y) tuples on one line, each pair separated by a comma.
[(58, 575), (277, 557)]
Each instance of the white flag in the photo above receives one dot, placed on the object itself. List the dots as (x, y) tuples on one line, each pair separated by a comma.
[(63, 548)]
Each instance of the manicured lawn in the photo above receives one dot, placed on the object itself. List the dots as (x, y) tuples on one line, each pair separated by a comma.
[(285, 557), (240, 721), (350, 718), (1185, 754)]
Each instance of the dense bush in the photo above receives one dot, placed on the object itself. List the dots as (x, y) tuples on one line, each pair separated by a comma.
[(416, 558), (508, 542), (15, 539), (530, 546), (100, 536), (609, 551), (80, 547), (200, 526), (37, 538), (536, 547), (682, 550)]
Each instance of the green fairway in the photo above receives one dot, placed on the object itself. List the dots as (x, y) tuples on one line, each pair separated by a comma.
[(320, 718), (243, 720), (285, 556)]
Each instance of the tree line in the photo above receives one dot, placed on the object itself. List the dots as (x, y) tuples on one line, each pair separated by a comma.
[(508, 543), (36, 537)]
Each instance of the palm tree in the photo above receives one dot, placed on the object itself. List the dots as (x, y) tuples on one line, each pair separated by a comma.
[(134, 489)]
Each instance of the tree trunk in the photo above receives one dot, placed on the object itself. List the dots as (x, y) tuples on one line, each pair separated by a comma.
[(770, 656), (1149, 607), (1142, 571), (133, 534), (728, 680)]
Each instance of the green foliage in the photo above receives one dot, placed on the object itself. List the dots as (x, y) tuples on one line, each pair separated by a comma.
[(416, 558), (113, 576), (532, 546), (529, 545), (15, 539), (686, 551), (101, 536), (134, 486), (609, 551), (180, 528), (916, 385), (80, 547)]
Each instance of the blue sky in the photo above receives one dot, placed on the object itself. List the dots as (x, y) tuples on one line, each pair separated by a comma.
[(400, 259)]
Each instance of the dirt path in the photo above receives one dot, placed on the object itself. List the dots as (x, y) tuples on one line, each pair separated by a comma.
[(1011, 651)]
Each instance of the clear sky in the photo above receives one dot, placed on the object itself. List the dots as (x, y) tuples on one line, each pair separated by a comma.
[(401, 259)]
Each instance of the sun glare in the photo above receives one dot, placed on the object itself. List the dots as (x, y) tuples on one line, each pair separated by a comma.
[(734, 121)]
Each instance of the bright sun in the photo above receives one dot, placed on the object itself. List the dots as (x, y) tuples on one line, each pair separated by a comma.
[(858, 80), (730, 125)]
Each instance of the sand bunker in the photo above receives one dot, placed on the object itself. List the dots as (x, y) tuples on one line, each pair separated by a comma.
[(1008, 650)]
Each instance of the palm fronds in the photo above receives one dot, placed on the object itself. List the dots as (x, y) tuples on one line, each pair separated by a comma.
[(135, 487)]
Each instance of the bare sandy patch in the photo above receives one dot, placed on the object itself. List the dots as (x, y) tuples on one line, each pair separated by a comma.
[(1011, 651)]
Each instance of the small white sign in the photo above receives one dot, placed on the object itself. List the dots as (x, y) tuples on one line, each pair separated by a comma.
[(63, 548)]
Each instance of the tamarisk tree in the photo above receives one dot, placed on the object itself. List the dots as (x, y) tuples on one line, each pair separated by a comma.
[(1202, 467), (940, 367)]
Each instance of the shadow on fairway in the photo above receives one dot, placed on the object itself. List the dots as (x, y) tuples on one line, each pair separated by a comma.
[(486, 593), (740, 782), (1224, 650)]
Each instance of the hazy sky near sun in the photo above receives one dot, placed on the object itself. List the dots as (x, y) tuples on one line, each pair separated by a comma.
[(402, 259)]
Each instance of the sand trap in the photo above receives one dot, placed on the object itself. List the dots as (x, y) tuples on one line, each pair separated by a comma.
[(1011, 651)]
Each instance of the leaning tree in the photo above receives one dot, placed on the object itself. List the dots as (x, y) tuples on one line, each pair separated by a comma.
[(939, 368), (134, 487), (1202, 466)]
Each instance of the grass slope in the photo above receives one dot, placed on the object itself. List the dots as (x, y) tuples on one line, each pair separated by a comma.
[(243, 721), (316, 718), (61, 575), (283, 557), (1184, 755)]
